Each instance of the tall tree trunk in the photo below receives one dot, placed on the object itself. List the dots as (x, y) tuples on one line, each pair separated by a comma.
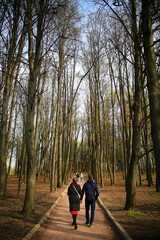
[(126, 145), (90, 156), (69, 148), (22, 162), (113, 132), (12, 64), (58, 126), (152, 84), (96, 137), (45, 147), (40, 98), (93, 147), (129, 144), (34, 67), (146, 141), (12, 150), (11, 111), (133, 168), (53, 165)]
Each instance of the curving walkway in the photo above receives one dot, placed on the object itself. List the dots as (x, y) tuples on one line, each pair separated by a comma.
[(58, 224)]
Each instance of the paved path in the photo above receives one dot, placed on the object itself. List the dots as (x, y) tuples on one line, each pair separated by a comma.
[(58, 224)]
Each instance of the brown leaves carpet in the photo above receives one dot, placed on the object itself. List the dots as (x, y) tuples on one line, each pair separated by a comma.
[(142, 223)]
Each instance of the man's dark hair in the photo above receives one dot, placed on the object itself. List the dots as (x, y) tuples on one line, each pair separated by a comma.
[(90, 176)]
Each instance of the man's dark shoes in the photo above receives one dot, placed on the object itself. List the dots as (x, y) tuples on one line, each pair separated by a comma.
[(75, 227)]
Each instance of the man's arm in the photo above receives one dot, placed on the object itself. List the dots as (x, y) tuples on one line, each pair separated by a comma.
[(83, 190), (97, 192)]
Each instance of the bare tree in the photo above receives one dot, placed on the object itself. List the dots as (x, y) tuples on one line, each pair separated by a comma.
[(16, 39), (152, 82), (34, 56)]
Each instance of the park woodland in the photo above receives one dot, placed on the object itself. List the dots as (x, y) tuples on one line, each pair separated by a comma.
[(79, 92)]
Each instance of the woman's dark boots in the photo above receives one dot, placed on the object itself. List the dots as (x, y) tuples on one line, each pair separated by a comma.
[(74, 221)]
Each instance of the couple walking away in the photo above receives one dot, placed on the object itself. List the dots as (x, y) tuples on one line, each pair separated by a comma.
[(76, 195)]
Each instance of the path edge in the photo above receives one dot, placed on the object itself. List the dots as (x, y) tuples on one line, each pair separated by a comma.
[(34, 229), (122, 232)]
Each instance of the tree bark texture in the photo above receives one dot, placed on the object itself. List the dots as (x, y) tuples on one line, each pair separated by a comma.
[(34, 67), (133, 168), (152, 84), (12, 63)]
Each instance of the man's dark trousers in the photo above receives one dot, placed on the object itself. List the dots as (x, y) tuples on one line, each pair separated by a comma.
[(87, 205)]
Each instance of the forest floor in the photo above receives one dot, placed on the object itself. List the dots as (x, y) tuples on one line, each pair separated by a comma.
[(142, 223)]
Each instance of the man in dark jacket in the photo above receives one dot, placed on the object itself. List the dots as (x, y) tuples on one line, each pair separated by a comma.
[(91, 194)]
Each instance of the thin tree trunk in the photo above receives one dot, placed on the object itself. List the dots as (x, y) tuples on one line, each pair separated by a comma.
[(113, 133), (45, 147), (57, 142), (14, 130), (40, 99), (69, 149), (129, 144), (146, 140)]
